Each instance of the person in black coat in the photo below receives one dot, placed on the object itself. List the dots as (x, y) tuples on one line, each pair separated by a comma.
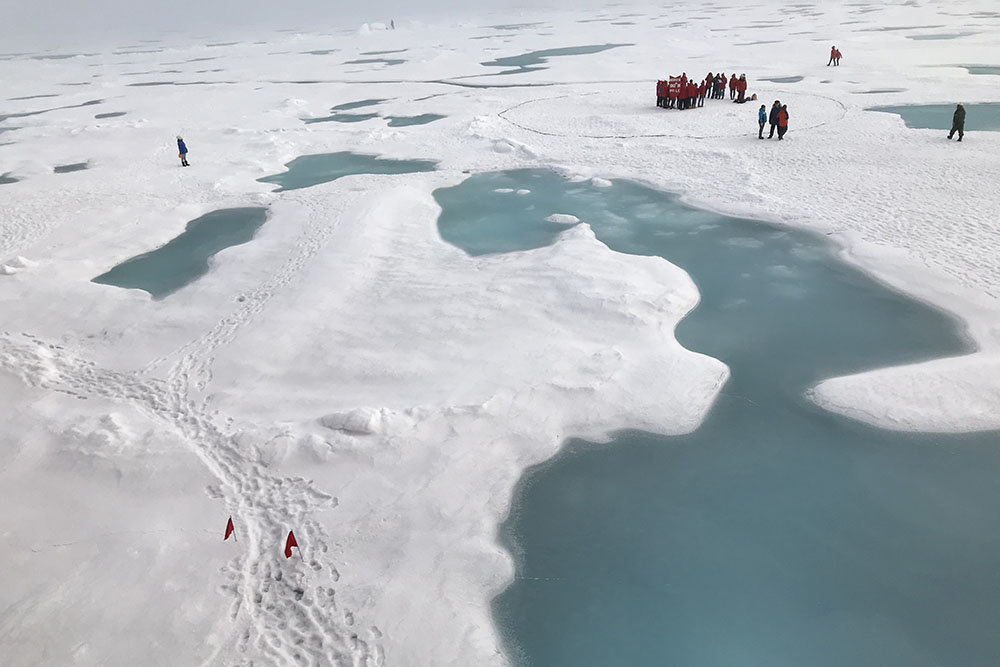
[(773, 118), (958, 123)]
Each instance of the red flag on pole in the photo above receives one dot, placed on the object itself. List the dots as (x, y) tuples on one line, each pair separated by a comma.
[(229, 529), (289, 543)]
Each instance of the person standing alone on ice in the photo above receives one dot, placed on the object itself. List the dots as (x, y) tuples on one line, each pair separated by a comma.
[(834, 57), (958, 123), (762, 120), (182, 151), (782, 121)]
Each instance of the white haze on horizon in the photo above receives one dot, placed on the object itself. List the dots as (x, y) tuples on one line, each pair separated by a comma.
[(33, 25)]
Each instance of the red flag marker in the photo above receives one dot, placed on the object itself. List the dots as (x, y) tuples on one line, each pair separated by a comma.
[(229, 529), (289, 543)]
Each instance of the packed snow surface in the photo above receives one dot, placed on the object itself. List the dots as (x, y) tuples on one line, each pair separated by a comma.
[(350, 376)]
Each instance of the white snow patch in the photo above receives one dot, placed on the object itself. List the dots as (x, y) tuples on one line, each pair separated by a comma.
[(600, 182), (943, 395)]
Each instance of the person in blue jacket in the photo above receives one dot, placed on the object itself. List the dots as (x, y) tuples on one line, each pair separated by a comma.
[(761, 120), (182, 151)]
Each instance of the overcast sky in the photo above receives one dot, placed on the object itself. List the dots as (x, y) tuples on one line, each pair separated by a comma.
[(47, 23)]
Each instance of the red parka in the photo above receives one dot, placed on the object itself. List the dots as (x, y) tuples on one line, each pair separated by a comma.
[(732, 82)]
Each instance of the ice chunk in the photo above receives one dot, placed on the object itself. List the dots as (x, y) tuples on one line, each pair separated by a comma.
[(563, 219)]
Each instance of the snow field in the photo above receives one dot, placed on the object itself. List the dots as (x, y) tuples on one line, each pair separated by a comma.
[(348, 375)]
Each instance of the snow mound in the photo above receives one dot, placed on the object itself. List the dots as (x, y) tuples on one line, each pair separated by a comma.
[(20, 262), (6, 270), (600, 182), (367, 28), (359, 421), (563, 219), (507, 146)]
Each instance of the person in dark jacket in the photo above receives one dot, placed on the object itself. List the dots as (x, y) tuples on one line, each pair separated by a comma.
[(182, 151), (958, 123), (782, 121), (762, 120), (773, 118)]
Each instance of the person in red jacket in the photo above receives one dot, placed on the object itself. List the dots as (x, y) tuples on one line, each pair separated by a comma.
[(702, 89), (671, 93), (782, 121), (741, 89), (660, 93), (834, 56), (732, 87), (692, 94)]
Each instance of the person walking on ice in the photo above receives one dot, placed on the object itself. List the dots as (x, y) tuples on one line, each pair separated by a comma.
[(182, 151), (958, 123), (761, 120), (834, 57)]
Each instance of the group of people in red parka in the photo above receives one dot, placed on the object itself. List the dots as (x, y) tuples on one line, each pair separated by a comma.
[(679, 92)]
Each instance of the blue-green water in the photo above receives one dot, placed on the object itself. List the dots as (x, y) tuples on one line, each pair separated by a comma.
[(341, 118), (375, 61), (33, 97), (940, 35), (69, 168), (784, 79), (309, 170), (982, 116), (406, 121), (776, 534), (185, 258), (988, 70), (533, 61), (347, 106)]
